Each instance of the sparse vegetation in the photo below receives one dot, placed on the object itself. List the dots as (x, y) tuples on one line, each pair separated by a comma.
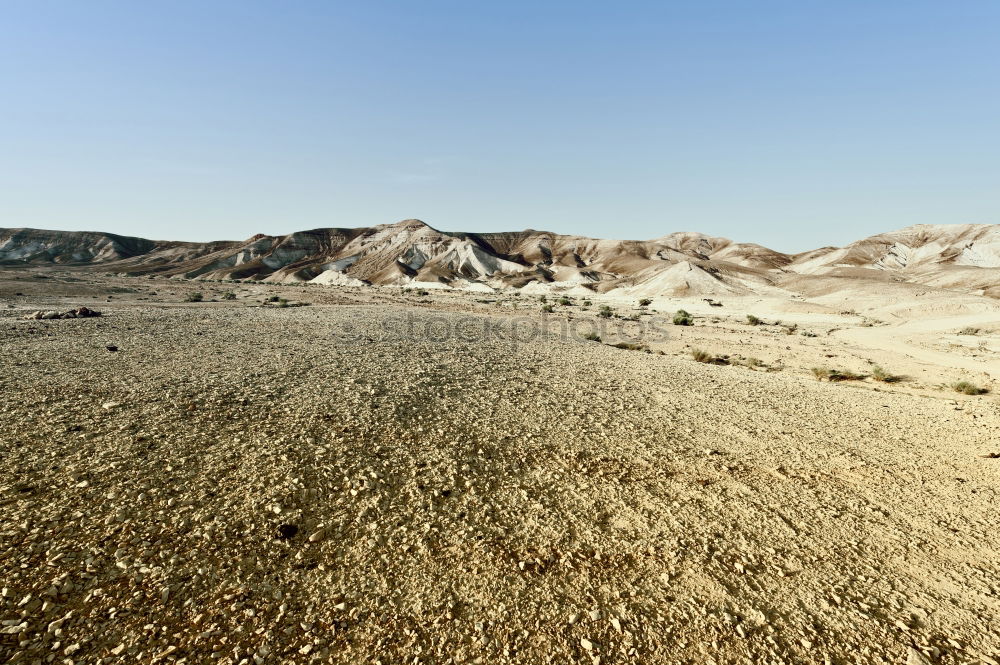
[(883, 376), (834, 375), (808, 333), (565, 301), (790, 329), (844, 375), (547, 309), (703, 356), (630, 346), (645, 302), (592, 337), (604, 312), (194, 297), (587, 303), (229, 295), (682, 318), (968, 388), (753, 320), (970, 330)]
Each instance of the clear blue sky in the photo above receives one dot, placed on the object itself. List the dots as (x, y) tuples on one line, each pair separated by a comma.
[(795, 124)]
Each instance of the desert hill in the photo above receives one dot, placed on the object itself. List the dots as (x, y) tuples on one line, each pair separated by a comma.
[(963, 258)]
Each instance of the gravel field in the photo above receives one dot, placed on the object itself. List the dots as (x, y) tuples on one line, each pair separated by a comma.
[(343, 484)]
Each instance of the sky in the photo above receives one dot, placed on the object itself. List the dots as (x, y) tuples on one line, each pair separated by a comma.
[(794, 124)]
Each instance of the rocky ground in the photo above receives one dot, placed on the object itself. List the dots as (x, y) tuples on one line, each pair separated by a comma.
[(389, 477)]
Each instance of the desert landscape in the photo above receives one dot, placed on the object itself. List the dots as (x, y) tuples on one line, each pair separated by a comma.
[(399, 445)]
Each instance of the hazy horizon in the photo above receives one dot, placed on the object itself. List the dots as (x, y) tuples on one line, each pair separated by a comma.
[(790, 125)]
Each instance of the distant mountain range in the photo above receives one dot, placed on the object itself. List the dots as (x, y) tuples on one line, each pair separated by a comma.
[(963, 258)]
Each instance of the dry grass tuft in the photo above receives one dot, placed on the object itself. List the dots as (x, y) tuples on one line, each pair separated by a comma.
[(883, 376), (703, 356), (967, 388), (835, 374)]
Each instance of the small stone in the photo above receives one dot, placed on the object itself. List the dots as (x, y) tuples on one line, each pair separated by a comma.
[(595, 615), (317, 536), (617, 625), (111, 347), (586, 644), (915, 657), (573, 618)]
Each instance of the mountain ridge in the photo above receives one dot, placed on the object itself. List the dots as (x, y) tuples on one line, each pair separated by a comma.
[(962, 257)]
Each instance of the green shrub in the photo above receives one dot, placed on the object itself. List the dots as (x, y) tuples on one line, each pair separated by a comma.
[(547, 309), (229, 295), (753, 320), (682, 318), (565, 301), (604, 312), (194, 297), (592, 337), (969, 330), (645, 302)]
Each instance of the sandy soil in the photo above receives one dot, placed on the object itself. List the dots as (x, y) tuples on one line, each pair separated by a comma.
[(447, 478)]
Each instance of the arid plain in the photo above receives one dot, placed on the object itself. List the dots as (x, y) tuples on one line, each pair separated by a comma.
[(438, 476)]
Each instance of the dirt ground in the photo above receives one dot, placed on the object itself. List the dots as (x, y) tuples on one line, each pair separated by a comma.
[(390, 476)]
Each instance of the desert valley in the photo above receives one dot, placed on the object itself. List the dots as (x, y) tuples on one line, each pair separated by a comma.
[(400, 445)]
